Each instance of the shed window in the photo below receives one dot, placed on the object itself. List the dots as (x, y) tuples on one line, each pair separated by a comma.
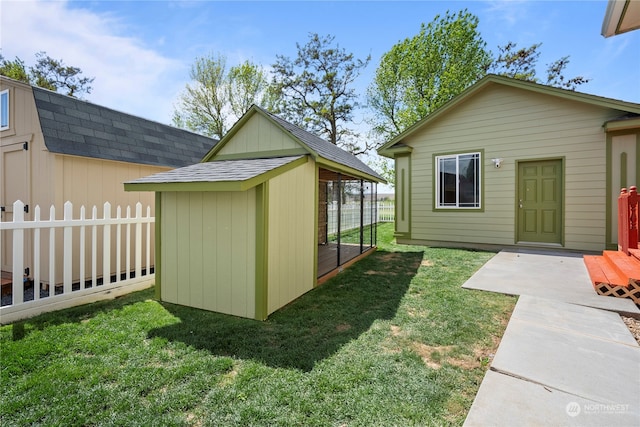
[(458, 181), (4, 109)]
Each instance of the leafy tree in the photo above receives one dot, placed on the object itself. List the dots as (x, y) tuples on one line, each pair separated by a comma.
[(48, 73), (315, 89), (248, 85), (522, 63), (421, 73), (216, 98), (203, 101)]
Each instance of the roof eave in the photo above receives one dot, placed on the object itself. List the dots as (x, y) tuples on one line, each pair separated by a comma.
[(239, 185), (339, 167), (393, 151), (622, 124)]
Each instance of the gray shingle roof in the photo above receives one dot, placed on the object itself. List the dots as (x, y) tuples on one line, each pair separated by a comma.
[(220, 171), (76, 127), (324, 148)]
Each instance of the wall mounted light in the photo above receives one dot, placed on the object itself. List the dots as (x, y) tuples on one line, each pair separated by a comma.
[(497, 162)]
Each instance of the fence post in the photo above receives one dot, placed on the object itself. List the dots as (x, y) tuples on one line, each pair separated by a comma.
[(127, 273), (17, 290), (94, 248), (52, 253), (106, 246), (138, 254), (36, 256), (118, 244), (83, 282), (148, 264), (67, 251)]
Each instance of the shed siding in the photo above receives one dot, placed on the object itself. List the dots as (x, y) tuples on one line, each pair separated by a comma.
[(291, 235), (513, 125), (258, 135), (208, 250), (54, 179)]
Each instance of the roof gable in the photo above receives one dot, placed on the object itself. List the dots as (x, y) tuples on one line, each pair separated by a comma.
[(75, 127), (322, 151), (396, 145)]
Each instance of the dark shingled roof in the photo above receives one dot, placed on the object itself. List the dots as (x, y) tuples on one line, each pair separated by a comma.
[(79, 128), (324, 148), (220, 171)]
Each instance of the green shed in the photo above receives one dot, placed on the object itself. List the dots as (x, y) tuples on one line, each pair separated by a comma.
[(269, 213)]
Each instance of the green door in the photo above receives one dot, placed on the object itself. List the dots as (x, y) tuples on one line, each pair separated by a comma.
[(540, 201)]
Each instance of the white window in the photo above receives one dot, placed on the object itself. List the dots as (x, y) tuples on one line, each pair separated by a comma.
[(458, 181), (4, 109)]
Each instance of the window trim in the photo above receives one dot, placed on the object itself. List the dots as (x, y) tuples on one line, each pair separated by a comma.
[(8, 109), (436, 181)]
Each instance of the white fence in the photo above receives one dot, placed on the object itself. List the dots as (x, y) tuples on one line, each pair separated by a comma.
[(84, 280), (350, 215)]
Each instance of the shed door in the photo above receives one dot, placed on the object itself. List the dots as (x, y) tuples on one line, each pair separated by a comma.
[(14, 185), (540, 201)]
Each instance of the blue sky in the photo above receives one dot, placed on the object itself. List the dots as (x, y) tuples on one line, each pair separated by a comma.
[(140, 52)]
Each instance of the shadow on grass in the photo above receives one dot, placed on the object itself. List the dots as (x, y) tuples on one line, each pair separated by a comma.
[(22, 328), (311, 328)]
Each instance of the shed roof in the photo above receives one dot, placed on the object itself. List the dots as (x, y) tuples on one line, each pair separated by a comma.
[(80, 128), (229, 175), (396, 144), (319, 148)]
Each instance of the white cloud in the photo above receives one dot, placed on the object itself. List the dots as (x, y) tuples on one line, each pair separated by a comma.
[(128, 76)]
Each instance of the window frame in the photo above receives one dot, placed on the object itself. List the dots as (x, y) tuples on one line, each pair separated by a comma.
[(5, 109), (437, 206)]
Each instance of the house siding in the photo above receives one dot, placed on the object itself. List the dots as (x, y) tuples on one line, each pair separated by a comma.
[(208, 250), (291, 235), (514, 125)]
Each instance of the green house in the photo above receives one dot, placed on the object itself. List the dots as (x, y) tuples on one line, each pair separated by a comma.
[(261, 220), (510, 163)]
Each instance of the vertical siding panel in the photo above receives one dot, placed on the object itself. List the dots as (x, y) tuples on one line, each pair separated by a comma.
[(223, 261), (196, 294), (182, 248), (291, 235), (169, 247), (257, 135), (210, 246)]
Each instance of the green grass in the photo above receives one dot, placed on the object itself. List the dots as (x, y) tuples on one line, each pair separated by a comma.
[(393, 340)]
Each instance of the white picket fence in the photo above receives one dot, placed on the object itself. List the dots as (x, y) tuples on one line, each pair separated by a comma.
[(350, 215), (88, 286), (386, 211)]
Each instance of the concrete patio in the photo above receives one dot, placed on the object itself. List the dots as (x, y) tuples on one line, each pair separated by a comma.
[(566, 357)]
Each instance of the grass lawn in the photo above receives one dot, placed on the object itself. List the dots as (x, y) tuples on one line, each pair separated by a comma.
[(393, 340)]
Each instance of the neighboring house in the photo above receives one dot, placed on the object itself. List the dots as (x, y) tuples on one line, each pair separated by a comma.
[(510, 162), (620, 17), (247, 231), (55, 148)]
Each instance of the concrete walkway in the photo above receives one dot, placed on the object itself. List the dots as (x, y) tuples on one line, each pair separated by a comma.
[(566, 357)]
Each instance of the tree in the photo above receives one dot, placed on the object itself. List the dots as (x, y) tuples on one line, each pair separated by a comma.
[(421, 73), (48, 73), (248, 85), (315, 89), (521, 64), (202, 103), (216, 98)]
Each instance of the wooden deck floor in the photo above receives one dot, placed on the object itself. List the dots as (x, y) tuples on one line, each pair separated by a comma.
[(328, 256)]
